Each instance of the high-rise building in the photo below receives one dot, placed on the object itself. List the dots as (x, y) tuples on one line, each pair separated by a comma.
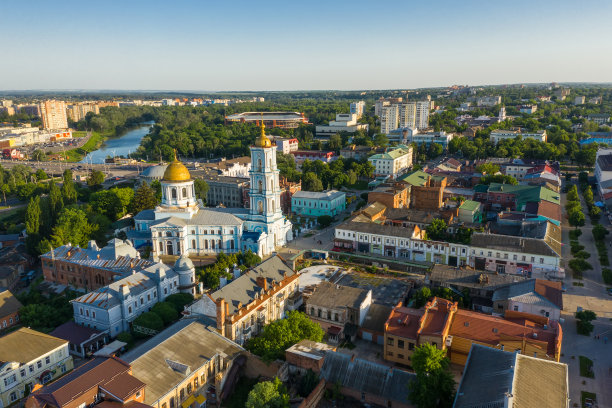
[(358, 108), (407, 115), (388, 118), (502, 114), (422, 114), (78, 112), (53, 114)]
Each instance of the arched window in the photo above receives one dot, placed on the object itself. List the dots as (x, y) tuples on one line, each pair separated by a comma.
[(270, 163), (258, 164), (173, 192), (168, 233), (161, 248), (220, 244), (272, 206), (260, 185), (193, 244), (232, 244), (184, 192), (169, 248), (205, 244), (212, 244), (260, 207)]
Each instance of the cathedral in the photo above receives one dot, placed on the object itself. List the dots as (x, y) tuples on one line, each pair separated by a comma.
[(181, 224)]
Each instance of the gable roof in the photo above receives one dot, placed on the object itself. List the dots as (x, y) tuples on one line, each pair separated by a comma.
[(75, 333), (9, 304), (243, 289), (530, 246), (533, 291), (366, 376), (531, 392), (25, 345)]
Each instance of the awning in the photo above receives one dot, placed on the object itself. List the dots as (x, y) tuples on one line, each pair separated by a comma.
[(200, 399), (187, 403), (110, 349), (334, 330)]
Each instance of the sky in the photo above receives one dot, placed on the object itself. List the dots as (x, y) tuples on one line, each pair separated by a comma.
[(263, 45)]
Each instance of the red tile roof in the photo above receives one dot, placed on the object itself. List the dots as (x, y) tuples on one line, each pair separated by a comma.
[(551, 290), (404, 322)]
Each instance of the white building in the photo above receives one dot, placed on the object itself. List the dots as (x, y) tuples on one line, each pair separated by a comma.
[(603, 172), (422, 114), (499, 134), (392, 163), (358, 108), (579, 100), (389, 118), (345, 122), (112, 308), (401, 135), (181, 224), (28, 357), (286, 146), (441, 138), (528, 109), (407, 115), (488, 101)]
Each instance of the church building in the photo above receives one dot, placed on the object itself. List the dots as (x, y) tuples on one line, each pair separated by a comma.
[(181, 224)]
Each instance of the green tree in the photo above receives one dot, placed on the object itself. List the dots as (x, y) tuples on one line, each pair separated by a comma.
[(165, 310), (437, 229), (487, 168), (311, 182), (41, 175), (422, 296), (72, 226), (38, 155), (179, 300), (32, 223), (335, 142), (576, 218), (325, 220), (282, 334), (434, 386), (144, 199), (600, 232), (381, 140), (95, 178), (572, 194), (268, 394), (201, 189), (56, 202), (69, 193), (149, 320)]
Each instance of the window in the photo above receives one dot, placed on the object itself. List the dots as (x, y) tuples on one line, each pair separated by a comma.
[(182, 394), (13, 396), (171, 402), (312, 313), (390, 353), (318, 312), (193, 244), (400, 344), (22, 372), (541, 260), (390, 341), (39, 364), (329, 315), (516, 308), (31, 368), (400, 356), (10, 380), (47, 360), (184, 192), (93, 314), (410, 346), (174, 193), (130, 309)]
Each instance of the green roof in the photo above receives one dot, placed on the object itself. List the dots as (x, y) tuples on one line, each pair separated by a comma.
[(524, 194), (391, 154), (470, 205), (416, 178)]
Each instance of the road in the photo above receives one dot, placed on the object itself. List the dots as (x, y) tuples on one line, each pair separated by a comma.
[(57, 168)]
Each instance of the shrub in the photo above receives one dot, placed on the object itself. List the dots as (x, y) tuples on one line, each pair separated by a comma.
[(576, 247), (606, 274), (179, 300), (575, 234), (149, 320), (579, 265), (325, 220), (126, 338), (582, 255), (583, 327), (167, 311)]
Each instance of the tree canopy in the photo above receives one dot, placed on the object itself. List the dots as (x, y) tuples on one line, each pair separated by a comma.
[(434, 386), (268, 394)]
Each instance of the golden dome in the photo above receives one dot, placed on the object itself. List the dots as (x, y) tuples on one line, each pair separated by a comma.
[(176, 171), (262, 140)]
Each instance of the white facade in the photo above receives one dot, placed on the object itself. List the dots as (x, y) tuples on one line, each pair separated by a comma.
[(286, 146), (407, 115), (498, 135), (488, 101), (358, 108), (389, 118), (394, 162), (345, 122), (422, 114)]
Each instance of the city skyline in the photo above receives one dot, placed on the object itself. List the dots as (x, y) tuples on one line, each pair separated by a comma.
[(280, 46)]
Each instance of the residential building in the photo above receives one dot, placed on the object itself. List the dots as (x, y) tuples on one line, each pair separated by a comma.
[(450, 165), (579, 100), (189, 362), (9, 309), (53, 114), (426, 190), (103, 382), (300, 156), (339, 310), (480, 285), (489, 101), (286, 146), (470, 212), (358, 108), (497, 197), (28, 357), (283, 120), (366, 381), (396, 195), (83, 341), (422, 114), (499, 135), (32, 110), (603, 172), (113, 308), (345, 122), (562, 93), (442, 138), (382, 102), (528, 109), (407, 115), (394, 162), (307, 355), (373, 327), (599, 118), (402, 135), (497, 378), (182, 224), (355, 152), (389, 118), (9, 275), (259, 296), (534, 296), (226, 191), (79, 111), (596, 100), (316, 204)]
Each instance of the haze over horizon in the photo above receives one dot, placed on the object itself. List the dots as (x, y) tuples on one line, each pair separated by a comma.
[(280, 46)]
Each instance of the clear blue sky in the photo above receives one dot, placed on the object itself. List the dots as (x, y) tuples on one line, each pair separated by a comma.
[(288, 45)]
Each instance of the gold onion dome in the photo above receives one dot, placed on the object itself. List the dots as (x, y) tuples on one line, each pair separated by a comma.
[(262, 140), (176, 171)]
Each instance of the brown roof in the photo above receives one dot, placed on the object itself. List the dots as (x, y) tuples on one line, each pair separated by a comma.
[(527, 386), (8, 303), (75, 333), (551, 290), (437, 316), (26, 345), (109, 373), (332, 296), (404, 322)]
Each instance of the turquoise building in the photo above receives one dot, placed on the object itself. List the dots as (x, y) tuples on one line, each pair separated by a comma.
[(313, 204)]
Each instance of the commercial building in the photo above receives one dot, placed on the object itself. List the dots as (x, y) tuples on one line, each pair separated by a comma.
[(345, 122), (188, 363), (315, 204), (286, 146), (394, 162), (283, 120), (28, 357), (339, 310), (103, 382), (259, 296), (497, 378), (114, 307), (389, 118), (499, 135), (9, 309), (53, 114), (25, 136), (358, 108)]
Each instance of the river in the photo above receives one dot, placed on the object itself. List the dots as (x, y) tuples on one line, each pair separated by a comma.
[(122, 145)]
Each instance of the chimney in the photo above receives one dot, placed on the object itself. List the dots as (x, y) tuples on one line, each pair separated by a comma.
[(262, 283), (124, 292), (221, 310)]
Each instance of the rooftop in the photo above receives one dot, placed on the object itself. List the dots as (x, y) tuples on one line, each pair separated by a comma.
[(540, 292), (9, 304), (74, 333), (310, 349), (470, 278), (266, 116), (469, 205), (333, 296), (327, 195), (26, 345)]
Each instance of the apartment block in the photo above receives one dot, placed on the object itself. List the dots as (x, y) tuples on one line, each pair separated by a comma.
[(389, 118), (53, 114)]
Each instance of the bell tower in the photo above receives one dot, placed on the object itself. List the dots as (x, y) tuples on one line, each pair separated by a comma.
[(264, 191)]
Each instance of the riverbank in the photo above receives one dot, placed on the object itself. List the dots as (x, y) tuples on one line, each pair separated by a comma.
[(95, 141)]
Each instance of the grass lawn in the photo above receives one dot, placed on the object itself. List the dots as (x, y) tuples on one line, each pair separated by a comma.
[(584, 395), (237, 399), (586, 367), (94, 142)]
